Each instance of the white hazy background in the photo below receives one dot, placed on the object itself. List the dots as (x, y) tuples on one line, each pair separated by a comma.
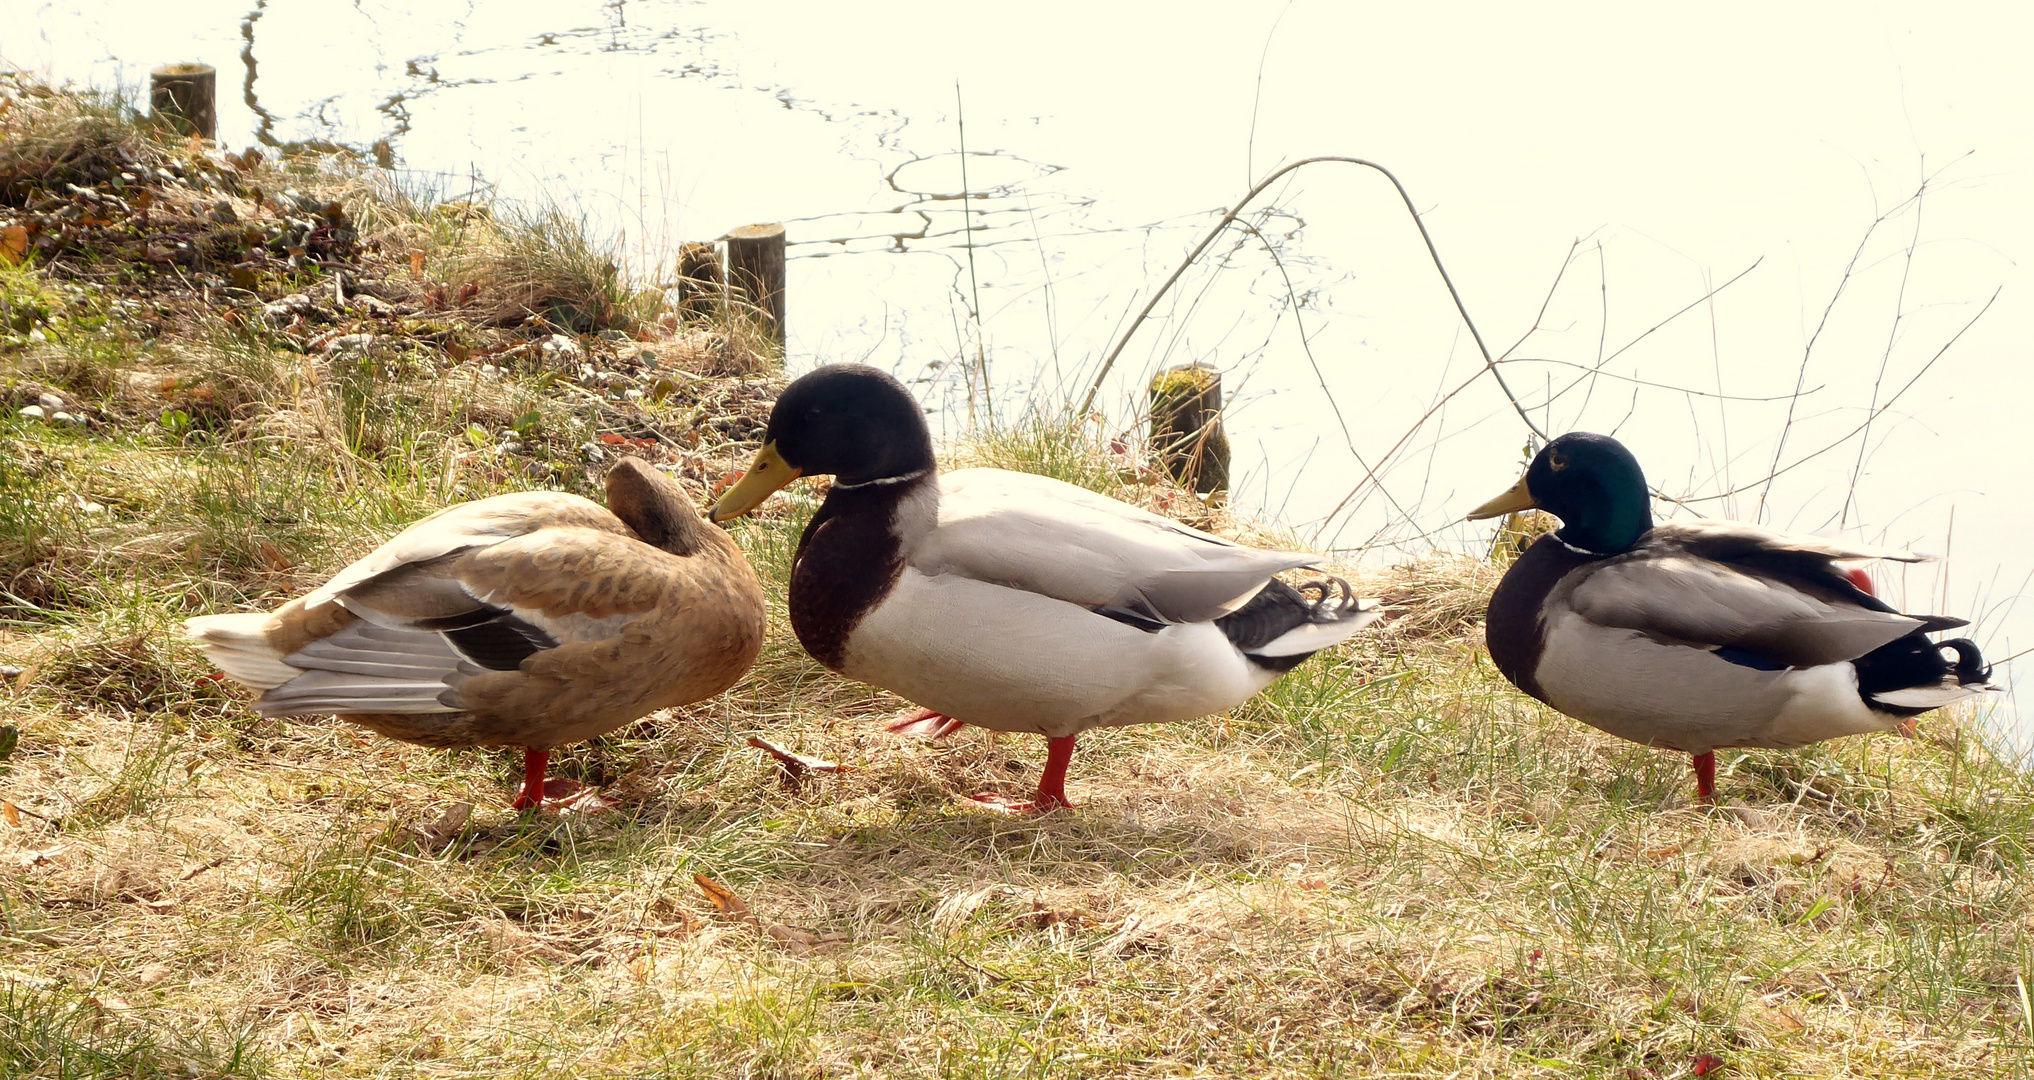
[(1655, 153)]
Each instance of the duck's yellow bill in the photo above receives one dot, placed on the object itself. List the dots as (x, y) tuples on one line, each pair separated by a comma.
[(1511, 502), (766, 474)]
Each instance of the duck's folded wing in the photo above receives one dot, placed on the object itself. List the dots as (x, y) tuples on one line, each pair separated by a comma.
[(477, 524), (1737, 540), (1678, 597), (1058, 540), (424, 627)]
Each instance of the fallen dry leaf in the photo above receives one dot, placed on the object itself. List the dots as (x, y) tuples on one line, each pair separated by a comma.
[(440, 832), (273, 556), (1786, 1020), (795, 766), (13, 243), (1706, 1064), (417, 262), (795, 941), (724, 899), (12, 814)]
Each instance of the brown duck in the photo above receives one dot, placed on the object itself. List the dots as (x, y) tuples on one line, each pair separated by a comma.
[(533, 619)]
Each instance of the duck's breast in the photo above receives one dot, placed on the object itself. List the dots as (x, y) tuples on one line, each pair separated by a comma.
[(1013, 660)]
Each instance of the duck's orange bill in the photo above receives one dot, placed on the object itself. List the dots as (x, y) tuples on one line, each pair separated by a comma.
[(766, 475)]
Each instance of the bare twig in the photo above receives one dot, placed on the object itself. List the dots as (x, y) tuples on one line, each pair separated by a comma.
[(1229, 218), (1768, 479)]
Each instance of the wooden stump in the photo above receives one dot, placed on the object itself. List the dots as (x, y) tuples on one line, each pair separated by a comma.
[(1186, 427), (755, 268), (701, 286), (183, 95)]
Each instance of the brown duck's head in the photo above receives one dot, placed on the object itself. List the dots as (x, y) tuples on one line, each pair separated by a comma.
[(655, 508), (849, 421)]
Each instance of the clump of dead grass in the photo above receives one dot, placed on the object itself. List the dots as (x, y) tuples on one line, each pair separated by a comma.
[(50, 137)]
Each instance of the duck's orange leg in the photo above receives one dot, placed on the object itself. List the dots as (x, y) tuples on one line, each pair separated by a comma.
[(1705, 777), (1051, 793), (535, 762)]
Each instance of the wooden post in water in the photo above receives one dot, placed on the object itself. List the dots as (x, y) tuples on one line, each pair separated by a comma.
[(755, 267), (701, 286), (1186, 427), (184, 96)]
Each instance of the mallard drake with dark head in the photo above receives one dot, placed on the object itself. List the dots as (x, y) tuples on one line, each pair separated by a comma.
[(1700, 635), (1018, 602)]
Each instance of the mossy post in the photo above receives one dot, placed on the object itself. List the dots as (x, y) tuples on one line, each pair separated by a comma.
[(1186, 427), (701, 285), (184, 96), (755, 267)]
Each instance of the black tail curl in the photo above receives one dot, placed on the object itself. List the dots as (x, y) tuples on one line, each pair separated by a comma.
[(1971, 669), (1914, 661), (1332, 599)]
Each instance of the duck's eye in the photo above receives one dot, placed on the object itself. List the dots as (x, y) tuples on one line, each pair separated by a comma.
[(1556, 462)]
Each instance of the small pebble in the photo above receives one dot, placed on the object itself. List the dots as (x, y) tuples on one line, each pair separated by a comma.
[(34, 412), (633, 395), (222, 212), (49, 401), (64, 418)]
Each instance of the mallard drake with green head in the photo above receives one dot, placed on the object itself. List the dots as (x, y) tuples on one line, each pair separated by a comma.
[(1018, 602), (1700, 635), (532, 619)]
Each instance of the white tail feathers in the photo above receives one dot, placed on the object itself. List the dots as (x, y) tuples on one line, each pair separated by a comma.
[(1315, 636), (1948, 692), (239, 645)]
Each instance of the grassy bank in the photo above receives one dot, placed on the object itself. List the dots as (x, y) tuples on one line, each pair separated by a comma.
[(1391, 863)]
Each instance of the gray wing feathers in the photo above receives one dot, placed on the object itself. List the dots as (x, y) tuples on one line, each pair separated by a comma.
[(1736, 539), (409, 593), (1058, 540), (1693, 600), (365, 668)]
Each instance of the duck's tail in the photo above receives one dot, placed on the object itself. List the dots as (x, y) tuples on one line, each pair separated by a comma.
[(240, 645), (1283, 625), (1911, 676)]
